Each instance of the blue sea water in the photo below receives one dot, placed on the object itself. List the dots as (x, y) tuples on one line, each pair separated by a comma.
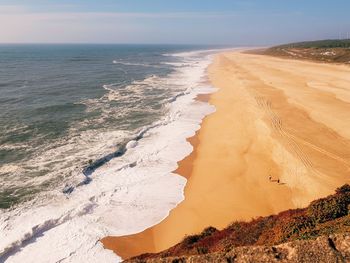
[(62, 107)]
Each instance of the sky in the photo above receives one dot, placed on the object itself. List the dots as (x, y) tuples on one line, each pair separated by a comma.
[(215, 22)]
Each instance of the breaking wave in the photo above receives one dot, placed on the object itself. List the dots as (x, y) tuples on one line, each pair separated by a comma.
[(118, 192)]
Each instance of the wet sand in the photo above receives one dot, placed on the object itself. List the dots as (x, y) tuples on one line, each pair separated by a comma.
[(281, 118)]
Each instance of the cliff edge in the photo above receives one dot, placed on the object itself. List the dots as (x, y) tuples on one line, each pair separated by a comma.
[(317, 233)]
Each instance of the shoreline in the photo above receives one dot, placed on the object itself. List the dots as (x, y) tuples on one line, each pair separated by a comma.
[(124, 247), (130, 193), (185, 166), (262, 128), (151, 239)]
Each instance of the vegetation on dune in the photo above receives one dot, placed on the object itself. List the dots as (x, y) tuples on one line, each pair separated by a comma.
[(324, 216), (329, 43), (331, 51), (332, 207)]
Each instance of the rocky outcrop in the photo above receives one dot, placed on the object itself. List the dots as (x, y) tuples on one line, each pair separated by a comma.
[(333, 248)]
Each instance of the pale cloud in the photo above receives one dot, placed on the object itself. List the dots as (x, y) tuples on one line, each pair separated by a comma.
[(64, 27), (13, 9), (22, 24), (19, 24)]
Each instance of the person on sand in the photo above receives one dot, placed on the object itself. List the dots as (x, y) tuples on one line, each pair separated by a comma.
[(278, 181), (270, 178)]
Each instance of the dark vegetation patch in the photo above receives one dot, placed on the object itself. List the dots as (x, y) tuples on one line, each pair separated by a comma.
[(329, 43)]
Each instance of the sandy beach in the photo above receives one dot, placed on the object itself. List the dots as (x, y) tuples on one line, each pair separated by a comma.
[(279, 118)]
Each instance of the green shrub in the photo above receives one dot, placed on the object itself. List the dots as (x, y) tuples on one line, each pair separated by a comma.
[(189, 240), (208, 231), (179, 260), (330, 208), (343, 189), (296, 226), (202, 250), (235, 226)]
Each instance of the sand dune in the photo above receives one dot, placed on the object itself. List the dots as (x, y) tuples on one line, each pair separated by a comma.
[(275, 117)]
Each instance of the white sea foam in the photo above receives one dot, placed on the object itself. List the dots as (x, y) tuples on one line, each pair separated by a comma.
[(191, 54), (127, 195), (135, 64)]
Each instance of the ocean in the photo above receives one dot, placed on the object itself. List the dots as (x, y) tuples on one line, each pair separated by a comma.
[(89, 137)]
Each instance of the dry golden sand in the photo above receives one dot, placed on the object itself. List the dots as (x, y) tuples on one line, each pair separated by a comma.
[(285, 118)]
